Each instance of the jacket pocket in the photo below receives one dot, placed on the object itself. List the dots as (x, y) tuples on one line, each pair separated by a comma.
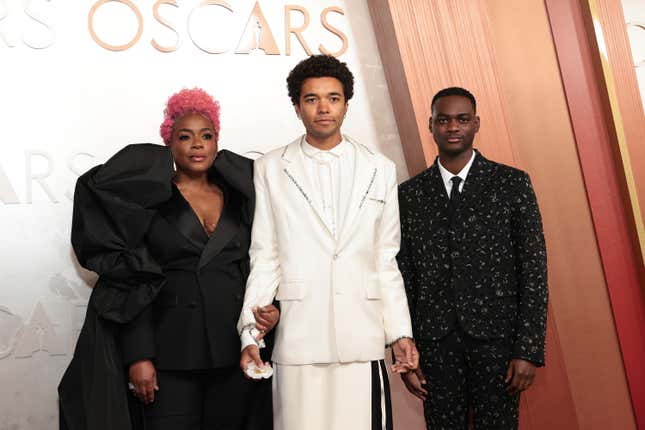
[(373, 290), (293, 289)]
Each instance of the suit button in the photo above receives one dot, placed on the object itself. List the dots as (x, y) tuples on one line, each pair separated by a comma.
[(335, 257)]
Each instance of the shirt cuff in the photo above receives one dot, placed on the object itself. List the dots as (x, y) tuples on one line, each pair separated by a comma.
[(246, 339)]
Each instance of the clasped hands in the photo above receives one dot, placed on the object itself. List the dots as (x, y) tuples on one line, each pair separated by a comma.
[(264, 322), (143, 375), (404, 351), (405, 356)]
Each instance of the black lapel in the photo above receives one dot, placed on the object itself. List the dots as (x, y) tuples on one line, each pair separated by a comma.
[(477, 182), (227, 226), (436, 189), (177, 212)]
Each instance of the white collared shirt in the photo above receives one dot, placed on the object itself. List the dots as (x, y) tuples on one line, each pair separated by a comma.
[(446, 175), (331, 173)]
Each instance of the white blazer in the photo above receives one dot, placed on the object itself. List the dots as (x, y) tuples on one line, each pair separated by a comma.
[(341, 300)]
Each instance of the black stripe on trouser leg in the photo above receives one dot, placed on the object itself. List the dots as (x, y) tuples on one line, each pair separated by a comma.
[(377, 418), (388, 398), (378, 370)]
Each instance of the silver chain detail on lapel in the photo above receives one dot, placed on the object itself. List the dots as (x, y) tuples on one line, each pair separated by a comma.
[(368, 188), (365, 148), (284, 151), (297, 185)]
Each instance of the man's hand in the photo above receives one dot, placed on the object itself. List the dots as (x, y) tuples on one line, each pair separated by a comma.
[(519, 376), (414, 381), (266, 318), (144, 378), (250, 353), (406, 356)]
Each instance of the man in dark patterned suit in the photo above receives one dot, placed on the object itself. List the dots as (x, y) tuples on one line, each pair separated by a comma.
[(474, 263)]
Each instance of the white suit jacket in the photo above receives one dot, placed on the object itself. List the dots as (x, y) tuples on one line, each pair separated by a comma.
[(341, 300)]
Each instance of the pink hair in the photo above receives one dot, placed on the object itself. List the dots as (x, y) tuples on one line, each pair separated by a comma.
[(186, 101)]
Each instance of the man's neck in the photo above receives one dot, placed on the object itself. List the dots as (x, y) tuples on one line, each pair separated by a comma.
[(324, 143), (454, 163)]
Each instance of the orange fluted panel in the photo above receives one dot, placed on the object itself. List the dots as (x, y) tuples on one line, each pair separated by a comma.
[(439, 44), (503, 52), (530, 73), (628, 96), (589, 95)]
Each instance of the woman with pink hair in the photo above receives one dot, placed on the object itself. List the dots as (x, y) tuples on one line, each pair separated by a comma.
[(170, 245)]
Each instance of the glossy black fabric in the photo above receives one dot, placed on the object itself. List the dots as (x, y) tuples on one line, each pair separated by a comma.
[(486, 270), (166, 291)]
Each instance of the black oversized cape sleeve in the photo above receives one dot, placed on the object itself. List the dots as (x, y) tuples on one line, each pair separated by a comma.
[(113, 207)]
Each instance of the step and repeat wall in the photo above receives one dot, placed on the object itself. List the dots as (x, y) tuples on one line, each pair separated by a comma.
[(81, 79)]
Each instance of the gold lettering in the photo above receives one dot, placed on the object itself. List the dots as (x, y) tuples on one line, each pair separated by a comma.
[(220, 3), (257, 35), (296, 31), (332, 29), (165, 23), (90, 23)]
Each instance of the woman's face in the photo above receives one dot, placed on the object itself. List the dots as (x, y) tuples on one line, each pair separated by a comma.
[(193, 144)]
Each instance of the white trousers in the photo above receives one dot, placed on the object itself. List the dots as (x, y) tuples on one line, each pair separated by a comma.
[(337, 396)]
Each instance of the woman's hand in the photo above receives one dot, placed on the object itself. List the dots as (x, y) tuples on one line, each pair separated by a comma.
[(144, 378), (266, 319)]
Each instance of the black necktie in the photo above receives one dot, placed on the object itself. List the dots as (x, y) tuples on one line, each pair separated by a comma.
[(454, 196)]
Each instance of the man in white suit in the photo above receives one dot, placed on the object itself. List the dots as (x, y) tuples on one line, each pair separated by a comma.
[(324, 241)]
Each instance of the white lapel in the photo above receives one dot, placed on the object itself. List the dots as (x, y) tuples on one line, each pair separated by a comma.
[(294, 169), (364, 176)]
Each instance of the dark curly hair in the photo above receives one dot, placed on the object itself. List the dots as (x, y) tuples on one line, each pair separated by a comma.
[(319, 66)]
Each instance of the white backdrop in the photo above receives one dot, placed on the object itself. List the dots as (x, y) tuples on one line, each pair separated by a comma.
[(66, 104), (634, 11)]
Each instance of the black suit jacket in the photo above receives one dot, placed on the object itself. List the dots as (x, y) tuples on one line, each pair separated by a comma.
[(488, 271), (191, 323)]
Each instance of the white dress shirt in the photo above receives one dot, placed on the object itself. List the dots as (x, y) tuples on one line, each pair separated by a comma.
[(446, 175), (331, 174)]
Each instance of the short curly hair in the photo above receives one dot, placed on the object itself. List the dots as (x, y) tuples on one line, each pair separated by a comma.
[(319, 66), (454, 91), (193, 100)]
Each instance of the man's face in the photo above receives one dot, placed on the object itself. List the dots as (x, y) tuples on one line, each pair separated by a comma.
[(453, 125), (322, 107)]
